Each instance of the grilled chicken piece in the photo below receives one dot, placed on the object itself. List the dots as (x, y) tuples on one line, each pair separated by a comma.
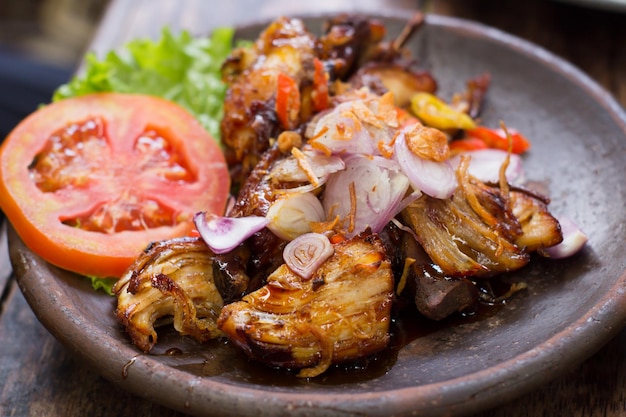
[(472, 99), (244, 269), (355, 48), (171, 279), (250, 119), (340, 314), (540, 229), (482, 230), (457, 239), (347, 42), (287, 48), (400, 78)]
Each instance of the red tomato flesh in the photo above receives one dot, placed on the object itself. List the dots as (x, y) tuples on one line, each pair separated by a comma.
[(89, 182)]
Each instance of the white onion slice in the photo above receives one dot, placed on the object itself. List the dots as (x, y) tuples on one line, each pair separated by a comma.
[(485, 165), (573, 240), (378, 192), (288, 169), (223, 234), (292, 215), (305, 254), (341, 133), (230, 204), (437, 179)]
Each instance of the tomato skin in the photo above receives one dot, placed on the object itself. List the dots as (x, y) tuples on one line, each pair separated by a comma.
[(38, 216)]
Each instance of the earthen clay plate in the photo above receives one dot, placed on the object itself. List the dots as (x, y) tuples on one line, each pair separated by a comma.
[(571, 308)]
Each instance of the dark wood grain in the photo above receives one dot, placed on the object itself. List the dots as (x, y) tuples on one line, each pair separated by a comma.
[(39, 377)]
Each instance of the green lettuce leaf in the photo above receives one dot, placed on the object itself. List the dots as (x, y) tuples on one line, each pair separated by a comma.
[(183, 69), (104, 284)]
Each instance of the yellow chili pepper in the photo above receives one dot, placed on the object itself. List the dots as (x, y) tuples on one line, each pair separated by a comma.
[(434, 112)]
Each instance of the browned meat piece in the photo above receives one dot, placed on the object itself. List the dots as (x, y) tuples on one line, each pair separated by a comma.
[(471, 101), (458, 240), (398, 77), (250, 120), (347, 41), (171, 279), (540, 229), (438, 296), (340, 314), (422, 284), (244, 269), (286, 47), (482, 230), (351, 41)]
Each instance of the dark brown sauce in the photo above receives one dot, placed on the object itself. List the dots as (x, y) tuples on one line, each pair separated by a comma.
[(219, 358), (173, 351)]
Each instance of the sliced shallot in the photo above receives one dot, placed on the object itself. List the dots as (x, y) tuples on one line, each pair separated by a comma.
[(291, 215), (347, 129), (289, 170), (436, 179), (366, 194), (485, 165), (223, 234), (306, 253)]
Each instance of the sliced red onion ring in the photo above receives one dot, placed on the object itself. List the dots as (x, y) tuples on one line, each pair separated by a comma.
[(306, 253), (292, 215), (485, 165), (436, 179), (573, 240), (223, 234), (378, 192)]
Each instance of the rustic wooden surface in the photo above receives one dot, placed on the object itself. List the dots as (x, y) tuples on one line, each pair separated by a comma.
[(39, 377)]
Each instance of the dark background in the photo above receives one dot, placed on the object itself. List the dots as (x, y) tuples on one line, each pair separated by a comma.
[(41, 42)]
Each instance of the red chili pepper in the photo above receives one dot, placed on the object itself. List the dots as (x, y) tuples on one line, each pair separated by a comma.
[(497, 138), (334, 239), (467, 145), (405, 118), (320, 86), (287, 101)]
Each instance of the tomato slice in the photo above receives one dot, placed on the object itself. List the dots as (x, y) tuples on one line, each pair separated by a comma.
[(89, 182)]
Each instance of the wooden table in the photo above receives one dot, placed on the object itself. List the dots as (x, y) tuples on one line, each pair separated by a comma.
[(39, 377)]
